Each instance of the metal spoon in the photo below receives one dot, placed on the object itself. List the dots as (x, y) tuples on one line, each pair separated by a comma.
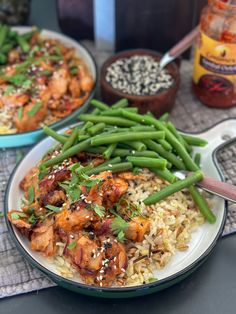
[(213, 186), (179, 48)]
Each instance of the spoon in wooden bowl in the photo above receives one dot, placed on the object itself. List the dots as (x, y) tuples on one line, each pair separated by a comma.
[(179, 48), (213, 186)]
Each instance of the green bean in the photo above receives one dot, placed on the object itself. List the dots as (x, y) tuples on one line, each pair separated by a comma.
[(202, 205), (23, 43), (165, 174), (117, 112), (197, 159), (108, 120), (173, 130), (96, 111), (173, 188), (6, 48), (82, 146), (194, 141), (3, 58), (125, 136), (165, 154), (136, 145), (83, 137), (112, 161), (123, 152), (58, 137), (145, 162), (149, 113), (97, 128), (143, 128), (86, 126), (3, 34), (100, 167), (108, 152), (165, 144), (70, 141), (164, 117), (120, 103), (111, 167), (183, 154), (27, 36), (99, 104)]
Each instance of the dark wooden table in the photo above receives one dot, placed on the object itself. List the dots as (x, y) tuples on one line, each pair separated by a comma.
[(211, 289)]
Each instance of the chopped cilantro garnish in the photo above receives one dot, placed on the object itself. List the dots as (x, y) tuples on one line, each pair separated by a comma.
[(34, 109), (118, 227), (91, 183), (32, 219), (27, 83), (10, 89), (17, 79), (31, 210), (152, 279), (17, 215), (31, 195), (99, 210), (72, 245), (55, 209)]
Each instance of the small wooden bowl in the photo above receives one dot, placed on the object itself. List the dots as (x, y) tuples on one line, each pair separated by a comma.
[(159, 103)]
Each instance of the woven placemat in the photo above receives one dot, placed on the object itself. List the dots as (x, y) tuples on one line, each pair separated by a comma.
[(17, 276)]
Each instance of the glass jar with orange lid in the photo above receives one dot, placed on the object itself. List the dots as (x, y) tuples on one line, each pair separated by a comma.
[(214, 73)]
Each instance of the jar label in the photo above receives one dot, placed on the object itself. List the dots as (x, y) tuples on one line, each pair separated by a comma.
[(214, 65)]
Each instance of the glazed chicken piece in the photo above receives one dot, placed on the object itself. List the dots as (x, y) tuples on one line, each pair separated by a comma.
[(108, 191), (101, 258), (74, 220), (15, 100), (56, 198), (42, 238), (28, 121), (84, 258), (21, 223), (50, 182), (74, 87), (138, 226), (59, 83)]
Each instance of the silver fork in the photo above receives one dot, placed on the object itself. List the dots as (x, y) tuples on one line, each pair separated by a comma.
[(213, 186)]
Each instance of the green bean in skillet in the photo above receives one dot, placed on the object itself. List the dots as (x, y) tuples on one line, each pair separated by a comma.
[(82, 146), (165, 145), (173, 130), (96, 111), (85, 127), (202, 205), (111, 167), (194, 141), (108, 120), (71, 140), (183, 154), (122, 103), (58, 137), (145, 162), (99, 104), (165, 154), (3, 58), (83, 137), (173, 188), (97, 128), (124, 137), (108, 152)]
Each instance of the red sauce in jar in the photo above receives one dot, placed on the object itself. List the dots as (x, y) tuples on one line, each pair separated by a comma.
[(214, 73)]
